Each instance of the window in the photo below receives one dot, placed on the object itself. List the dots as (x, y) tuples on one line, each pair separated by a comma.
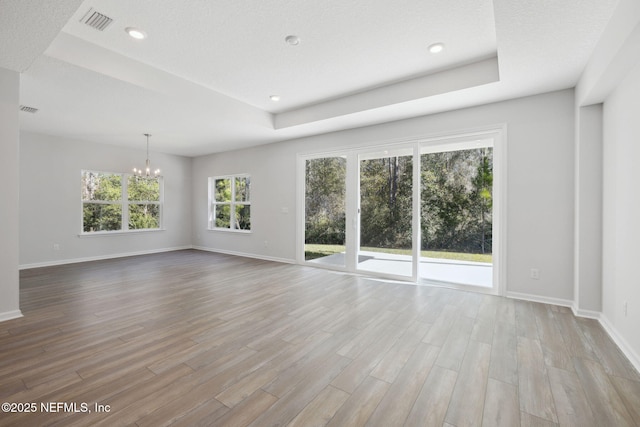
[(230, 203), (143, 194), (120, 202)]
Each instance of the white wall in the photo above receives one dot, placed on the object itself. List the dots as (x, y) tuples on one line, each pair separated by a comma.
[(621, 211), (9, 239), (272, 169), (540, 141), (50, 209), (588, 211)]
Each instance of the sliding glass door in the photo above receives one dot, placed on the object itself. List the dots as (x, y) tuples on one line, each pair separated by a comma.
[(456, 208), (386, 213), (424, 211), (325, 211)]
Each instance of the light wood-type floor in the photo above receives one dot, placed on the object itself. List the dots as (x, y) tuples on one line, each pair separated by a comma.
[(192, 338)]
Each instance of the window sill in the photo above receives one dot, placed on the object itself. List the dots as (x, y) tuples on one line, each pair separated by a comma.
[(227, 230), (113, 233)]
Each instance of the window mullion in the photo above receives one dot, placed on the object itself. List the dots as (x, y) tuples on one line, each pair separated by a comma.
[(232, 207), (125, 202)]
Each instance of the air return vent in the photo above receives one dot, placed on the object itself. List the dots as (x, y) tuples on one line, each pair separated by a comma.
[(96, 20), (28, 109)]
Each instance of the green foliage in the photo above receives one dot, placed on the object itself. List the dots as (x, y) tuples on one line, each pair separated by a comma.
[(456, 201), (99, 217), (225, 202), (243, 189), (223, 216), (98, 186), (143, 189), (106, 191), (143, 215), (101, 186), (325, 200), (313, 251), (386, 202), (223, 190), (243, 217)]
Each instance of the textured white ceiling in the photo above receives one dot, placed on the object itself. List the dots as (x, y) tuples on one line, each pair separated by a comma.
[(200, 83), (238, 47), (27, 28)]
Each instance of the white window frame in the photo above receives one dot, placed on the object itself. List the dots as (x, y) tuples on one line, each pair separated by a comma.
[(232, 204), (420, 144), (124, 203)]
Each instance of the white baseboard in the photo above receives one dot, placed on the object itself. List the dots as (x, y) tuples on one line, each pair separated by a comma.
[(620, 342), (541, 299), (8, 315), (590, 314), (246, 255), (100, 257)]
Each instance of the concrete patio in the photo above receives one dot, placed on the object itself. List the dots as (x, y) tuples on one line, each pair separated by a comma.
[(430, 269)]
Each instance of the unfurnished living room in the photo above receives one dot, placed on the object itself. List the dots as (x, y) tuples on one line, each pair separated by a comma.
[(310, 213)]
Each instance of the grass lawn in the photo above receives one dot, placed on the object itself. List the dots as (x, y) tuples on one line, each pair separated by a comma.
[(312, 251)]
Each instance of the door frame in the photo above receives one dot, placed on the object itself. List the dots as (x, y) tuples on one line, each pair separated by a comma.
[(499, 231), (409, 149)]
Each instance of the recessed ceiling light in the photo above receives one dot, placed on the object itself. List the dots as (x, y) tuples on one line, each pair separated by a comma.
[(275, 98), (292, 40), (136, 33), (436, 48)]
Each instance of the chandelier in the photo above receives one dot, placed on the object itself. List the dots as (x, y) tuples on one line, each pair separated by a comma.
[(147, 170)]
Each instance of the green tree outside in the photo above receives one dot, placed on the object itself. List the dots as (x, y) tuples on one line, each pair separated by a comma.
[(456, 202), (97, 186), (144, 202), (325, 208), (224, 203), (102, 202)]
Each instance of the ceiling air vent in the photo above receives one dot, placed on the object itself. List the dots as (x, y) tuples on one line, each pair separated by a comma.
[(28, 109), (96, 20)]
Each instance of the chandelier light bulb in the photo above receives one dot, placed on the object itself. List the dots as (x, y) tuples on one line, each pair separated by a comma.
[(147, 170)]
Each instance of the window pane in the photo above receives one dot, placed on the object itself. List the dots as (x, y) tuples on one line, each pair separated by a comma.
[(143, 189), (223, 216), (386, 213), (325, 220), (101, 217), (223, 190), (457, 202), (243, 217), (243, 189), (101, 186), (230, 202), (144, 216)]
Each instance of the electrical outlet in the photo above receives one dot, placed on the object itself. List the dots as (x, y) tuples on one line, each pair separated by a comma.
[(535, 274), (266, 243), (56, 247)]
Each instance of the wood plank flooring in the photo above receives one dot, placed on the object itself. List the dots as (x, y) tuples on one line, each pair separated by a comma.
[(192, 338)]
